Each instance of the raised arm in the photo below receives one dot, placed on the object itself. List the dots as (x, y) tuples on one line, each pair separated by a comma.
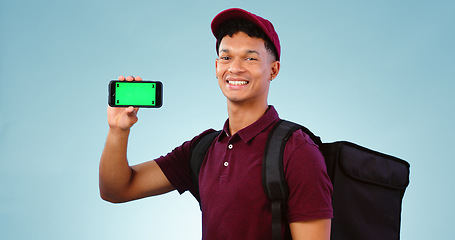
[(118, 181)]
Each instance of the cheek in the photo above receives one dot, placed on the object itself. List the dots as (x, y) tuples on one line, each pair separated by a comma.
[(220, 70), (260, 73), (220, 80), (219, 77)]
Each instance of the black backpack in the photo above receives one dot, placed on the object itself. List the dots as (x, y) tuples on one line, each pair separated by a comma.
[(368, 186)]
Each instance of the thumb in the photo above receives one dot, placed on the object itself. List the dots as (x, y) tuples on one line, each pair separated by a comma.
[(131, 111)]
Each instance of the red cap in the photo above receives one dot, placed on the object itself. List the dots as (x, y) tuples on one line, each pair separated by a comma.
[(264, 24)]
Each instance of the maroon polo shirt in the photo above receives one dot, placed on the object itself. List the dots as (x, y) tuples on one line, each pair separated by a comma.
[(234, 205)]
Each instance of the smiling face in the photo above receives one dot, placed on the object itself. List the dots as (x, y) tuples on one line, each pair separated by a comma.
[(245, 68)]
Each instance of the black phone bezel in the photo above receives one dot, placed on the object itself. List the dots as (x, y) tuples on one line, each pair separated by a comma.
[(159, 94)]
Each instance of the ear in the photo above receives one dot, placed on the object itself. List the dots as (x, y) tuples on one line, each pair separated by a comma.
[(216, 67), (274, 69)]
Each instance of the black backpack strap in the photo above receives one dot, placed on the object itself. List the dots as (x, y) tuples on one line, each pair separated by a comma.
[(273, 178), (197, 157)]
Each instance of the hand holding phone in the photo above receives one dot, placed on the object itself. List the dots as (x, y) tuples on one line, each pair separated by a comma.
[(123, 117), (147, 94)]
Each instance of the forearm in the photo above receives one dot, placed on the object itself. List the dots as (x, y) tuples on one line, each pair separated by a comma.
[(115, 173)]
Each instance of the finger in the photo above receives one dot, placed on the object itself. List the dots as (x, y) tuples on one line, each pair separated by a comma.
[(121, 78), (130, 111), (138, 78), (130, 78)]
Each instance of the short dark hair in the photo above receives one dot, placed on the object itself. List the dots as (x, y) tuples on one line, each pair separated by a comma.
[(233, 26)]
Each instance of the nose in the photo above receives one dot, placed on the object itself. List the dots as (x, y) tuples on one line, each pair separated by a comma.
[(236, 66)]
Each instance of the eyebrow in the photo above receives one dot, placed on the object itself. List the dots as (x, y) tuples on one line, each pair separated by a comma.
[(252, 51), (247, 51)]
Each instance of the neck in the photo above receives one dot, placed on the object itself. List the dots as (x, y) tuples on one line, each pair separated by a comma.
[(243, 115)]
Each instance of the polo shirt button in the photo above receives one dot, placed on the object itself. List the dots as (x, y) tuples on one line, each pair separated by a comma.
[(226, 164), (230, 146)]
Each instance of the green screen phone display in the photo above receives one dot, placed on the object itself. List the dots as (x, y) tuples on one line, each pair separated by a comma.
[(135, 93)]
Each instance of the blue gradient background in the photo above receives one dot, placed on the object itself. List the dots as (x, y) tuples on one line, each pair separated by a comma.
[(378, 73)]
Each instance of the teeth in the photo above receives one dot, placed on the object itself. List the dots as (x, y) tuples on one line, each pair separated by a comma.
[(237, 83)]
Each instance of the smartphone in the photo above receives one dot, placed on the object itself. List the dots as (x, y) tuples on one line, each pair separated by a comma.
[(148, 94)]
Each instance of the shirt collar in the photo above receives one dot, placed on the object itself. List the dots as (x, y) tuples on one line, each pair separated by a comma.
[(251, 131)]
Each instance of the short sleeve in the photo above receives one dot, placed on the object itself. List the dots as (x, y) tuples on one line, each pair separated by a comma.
[(310, 188), (176, 164)]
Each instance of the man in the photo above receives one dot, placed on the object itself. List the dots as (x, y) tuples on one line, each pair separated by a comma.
[(234, 205)]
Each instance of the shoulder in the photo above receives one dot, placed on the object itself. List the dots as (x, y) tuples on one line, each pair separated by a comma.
[(299, 139), (187, 146), (301, 150), (183, 151), (176, 164), (192, 143)]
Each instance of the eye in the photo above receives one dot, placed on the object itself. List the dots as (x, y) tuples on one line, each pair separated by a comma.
[(251, 59), (224, 58)]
